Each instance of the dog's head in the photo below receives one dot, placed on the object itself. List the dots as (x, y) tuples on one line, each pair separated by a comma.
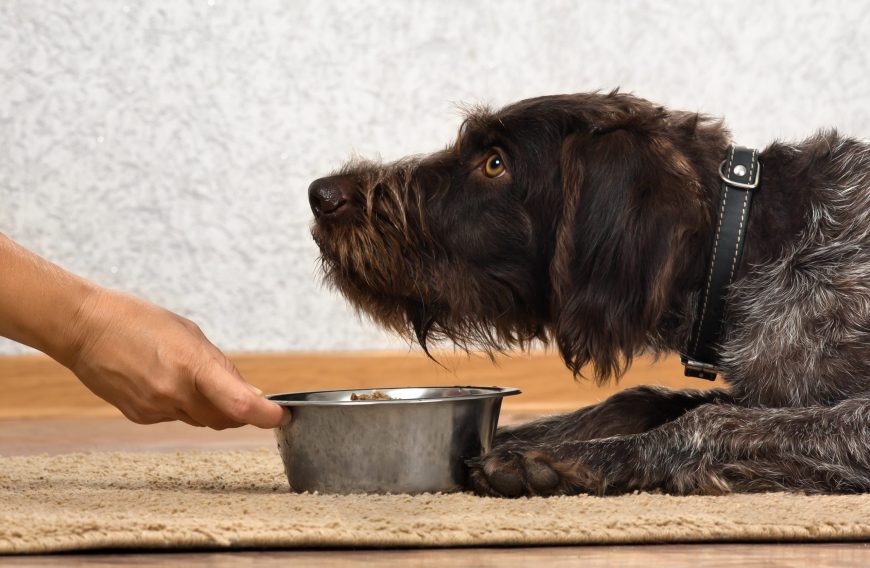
[(565, 217)]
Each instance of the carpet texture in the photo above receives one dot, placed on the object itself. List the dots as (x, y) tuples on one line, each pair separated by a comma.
[(235, 499)]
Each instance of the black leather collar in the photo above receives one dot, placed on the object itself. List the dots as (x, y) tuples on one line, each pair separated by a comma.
[(740, 172)]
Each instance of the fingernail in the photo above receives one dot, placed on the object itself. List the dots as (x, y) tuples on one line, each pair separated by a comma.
[(287, 417), (255, 390)]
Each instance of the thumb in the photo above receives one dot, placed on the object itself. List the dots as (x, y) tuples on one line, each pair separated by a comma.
[(235, 398)]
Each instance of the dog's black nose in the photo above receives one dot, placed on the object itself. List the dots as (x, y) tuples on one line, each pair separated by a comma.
[(331, 197)]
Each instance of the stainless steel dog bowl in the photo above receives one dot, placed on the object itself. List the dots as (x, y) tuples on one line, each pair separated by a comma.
[(416, 443)]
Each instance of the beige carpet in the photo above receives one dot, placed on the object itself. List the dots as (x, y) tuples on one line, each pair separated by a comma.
[(235, 499)]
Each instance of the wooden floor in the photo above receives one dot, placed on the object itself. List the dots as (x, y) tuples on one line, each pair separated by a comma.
[(37, 387), (43, 409), (649, 556)]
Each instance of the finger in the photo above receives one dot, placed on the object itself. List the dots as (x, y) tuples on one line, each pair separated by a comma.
[(187, 419), (145, 416), (158, 419), (204, 412), (230, 365), (233, 397)]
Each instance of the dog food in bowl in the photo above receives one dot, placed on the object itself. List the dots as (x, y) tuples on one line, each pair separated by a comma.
[(375, 395)]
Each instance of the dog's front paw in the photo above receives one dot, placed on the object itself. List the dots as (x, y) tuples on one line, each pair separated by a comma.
[(517, 473)]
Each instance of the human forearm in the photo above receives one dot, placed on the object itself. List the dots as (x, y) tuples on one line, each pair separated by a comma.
[(150, 363), (40, 303)]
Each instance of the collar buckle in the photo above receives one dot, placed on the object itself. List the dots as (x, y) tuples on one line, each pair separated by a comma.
[(745, 179), (698, 369)]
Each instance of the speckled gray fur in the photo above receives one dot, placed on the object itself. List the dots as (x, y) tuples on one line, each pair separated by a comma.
[(796, 358)]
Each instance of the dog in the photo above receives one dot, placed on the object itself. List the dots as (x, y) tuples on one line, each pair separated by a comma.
[(586, 220)]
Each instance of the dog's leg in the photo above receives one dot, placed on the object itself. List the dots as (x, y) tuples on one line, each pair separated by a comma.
[(630, 411), (715, 448)]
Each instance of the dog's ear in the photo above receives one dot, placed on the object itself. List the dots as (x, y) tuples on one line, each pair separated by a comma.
[(630, 203)]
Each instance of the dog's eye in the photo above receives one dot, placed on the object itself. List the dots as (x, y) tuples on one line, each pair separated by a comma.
[(494, 166)]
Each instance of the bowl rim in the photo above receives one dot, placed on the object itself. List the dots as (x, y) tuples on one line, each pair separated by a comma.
[(495, 392)]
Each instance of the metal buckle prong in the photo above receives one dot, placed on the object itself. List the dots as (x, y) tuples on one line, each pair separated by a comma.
[(752, 183)]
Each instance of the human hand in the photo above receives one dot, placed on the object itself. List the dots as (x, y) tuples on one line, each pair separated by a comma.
[(156, 366)]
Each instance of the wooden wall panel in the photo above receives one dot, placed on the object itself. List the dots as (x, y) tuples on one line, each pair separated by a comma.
[(35, 386)]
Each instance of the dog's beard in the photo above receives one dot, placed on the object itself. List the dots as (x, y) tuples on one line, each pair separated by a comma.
[(405, 282), (368, 267)]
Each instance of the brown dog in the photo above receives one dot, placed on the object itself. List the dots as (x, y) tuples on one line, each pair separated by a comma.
[(587, 220)]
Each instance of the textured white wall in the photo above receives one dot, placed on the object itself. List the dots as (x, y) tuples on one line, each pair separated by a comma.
[(165, 148)]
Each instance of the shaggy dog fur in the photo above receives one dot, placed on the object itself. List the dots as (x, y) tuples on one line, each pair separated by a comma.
[(587, 220)]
